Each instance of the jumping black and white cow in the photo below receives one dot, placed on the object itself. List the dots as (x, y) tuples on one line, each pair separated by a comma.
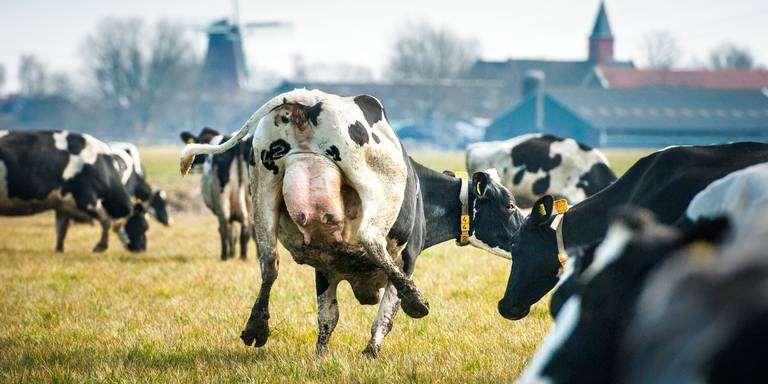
[(534, 165), (335, 185), (225, 189), (72, 174), (127, 161), (663, 182)]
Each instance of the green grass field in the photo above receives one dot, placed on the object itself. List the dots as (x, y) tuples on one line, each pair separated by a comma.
[(174, 313)]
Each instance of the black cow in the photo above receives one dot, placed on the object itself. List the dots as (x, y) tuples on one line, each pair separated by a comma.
[(128, 163), (585, 344), (535, 164), (225, 189), (663, 182), (73, 174)]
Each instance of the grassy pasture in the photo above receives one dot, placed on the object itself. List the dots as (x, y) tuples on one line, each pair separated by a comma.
[(174, 314)]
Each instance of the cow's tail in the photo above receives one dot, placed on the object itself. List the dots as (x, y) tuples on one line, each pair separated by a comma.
[(191, 150)]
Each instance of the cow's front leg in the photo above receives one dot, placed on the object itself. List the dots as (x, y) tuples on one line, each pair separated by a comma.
[(266, 199), (62, 225), (382, 324), (105, 223), (411, 301), (327, 311)]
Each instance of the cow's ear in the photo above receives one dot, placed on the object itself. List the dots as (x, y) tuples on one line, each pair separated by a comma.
[(188, 137), (449, 173), (709, 230), (542, 209), (481, 182)]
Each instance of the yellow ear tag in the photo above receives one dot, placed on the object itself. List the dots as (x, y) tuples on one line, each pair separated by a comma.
[(542, 210), (136, 200), (461, 174), (561, 206), (190, 141)]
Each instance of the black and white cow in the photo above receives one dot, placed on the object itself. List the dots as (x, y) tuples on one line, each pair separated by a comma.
[(72, 174), (663, 304), (335, 185), (663, 182), (127, 161), (585, 344), (534, 165), (225, 189)]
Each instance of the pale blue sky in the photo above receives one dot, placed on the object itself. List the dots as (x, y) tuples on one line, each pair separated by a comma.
[(360, 32)]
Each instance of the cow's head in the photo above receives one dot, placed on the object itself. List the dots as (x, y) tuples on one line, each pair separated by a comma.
[(132, 230), (535, 265), (204, 137), (158, 207), (589, 328), (495, 215)]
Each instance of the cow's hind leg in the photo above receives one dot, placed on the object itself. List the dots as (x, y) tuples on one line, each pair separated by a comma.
[(245, 236), (265, 214), (62, 225), (412, 303), (327, 311), (225, 233), (382, 324)]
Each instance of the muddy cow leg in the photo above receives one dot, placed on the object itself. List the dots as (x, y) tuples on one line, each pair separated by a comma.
[(62, 225), (266, 202), (383, 321), (327, 311), (375, 245)]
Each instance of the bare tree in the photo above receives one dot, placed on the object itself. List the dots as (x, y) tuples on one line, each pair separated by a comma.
[(136, 70), (33, 76), (660, 50), (423, 51), (731, 56)]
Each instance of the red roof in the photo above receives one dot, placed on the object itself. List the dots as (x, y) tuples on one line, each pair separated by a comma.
[(725, 79)]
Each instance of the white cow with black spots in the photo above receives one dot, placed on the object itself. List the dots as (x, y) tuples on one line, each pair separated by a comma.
[(534, 165), (333, 183)]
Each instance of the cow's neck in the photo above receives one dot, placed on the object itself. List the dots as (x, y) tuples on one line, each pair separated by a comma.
[(442, 209)]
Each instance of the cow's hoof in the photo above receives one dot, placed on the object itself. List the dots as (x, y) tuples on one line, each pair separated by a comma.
[(256, 332), (99, 248), (413, 305), (371, 352), (321, 350), (59, 250)]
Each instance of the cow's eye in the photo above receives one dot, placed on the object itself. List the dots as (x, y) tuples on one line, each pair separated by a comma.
[(285, 119)]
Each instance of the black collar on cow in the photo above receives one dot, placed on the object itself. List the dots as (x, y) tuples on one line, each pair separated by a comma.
[(465, 218)]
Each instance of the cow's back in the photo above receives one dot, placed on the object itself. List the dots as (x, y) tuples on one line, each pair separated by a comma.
[(32, 165), (534, 165)]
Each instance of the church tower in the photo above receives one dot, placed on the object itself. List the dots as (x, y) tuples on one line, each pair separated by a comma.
[(601, 39)]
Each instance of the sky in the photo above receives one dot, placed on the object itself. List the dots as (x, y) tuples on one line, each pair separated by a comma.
[(360, 32)]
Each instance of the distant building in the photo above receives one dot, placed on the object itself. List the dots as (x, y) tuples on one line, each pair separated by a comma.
[(224, 67), (650, 117), (570, 73)]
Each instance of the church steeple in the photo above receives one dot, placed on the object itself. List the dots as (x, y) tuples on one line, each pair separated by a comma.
[(601, 39)]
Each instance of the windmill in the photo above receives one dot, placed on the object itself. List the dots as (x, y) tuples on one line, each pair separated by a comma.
[(224, 68)]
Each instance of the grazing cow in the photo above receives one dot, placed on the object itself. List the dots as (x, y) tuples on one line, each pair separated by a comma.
[(535, 164), (72, 174), (128, 163), (702, 316), (335, 185), (663, 182), (584, 345), (669, 295), (225, 189)]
